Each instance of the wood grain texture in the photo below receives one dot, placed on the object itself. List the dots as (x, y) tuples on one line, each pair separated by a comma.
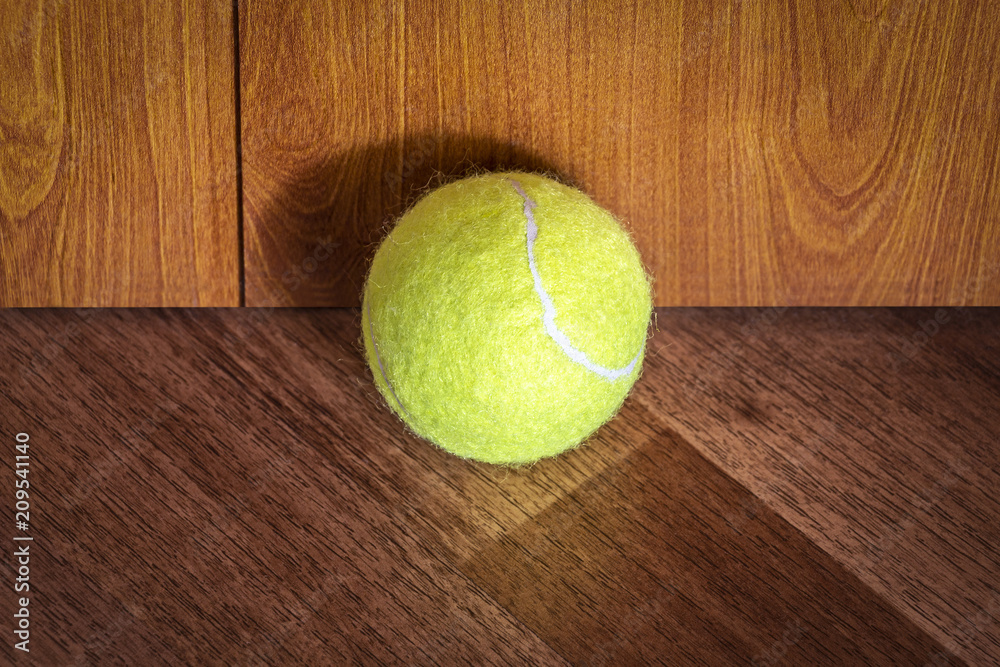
[(225, 486), (639, 566), (202, 521), (875, 433), (118, 154), (778, 153)]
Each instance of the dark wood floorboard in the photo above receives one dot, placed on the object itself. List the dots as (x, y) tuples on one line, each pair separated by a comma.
[(226, 487), (641, 564), (173, 484), (875, 432)]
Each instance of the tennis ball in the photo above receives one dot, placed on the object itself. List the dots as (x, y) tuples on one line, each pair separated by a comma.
[(504, 317)]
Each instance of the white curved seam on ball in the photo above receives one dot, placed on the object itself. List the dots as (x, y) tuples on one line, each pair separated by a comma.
[(549, 318), (378, 358)]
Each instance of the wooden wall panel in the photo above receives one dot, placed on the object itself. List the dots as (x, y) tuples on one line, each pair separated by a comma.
[(118, 154), (806, 152)]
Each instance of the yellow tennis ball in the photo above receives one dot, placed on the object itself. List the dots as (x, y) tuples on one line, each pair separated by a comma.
[(504, 317)]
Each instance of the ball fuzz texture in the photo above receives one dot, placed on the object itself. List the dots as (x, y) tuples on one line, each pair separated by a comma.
[(504, 317)]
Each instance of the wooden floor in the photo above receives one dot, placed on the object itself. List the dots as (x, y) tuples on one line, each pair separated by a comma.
[(784, 486)]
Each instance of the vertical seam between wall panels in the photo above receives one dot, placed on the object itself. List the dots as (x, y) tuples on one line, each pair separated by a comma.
[(241, 273)]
